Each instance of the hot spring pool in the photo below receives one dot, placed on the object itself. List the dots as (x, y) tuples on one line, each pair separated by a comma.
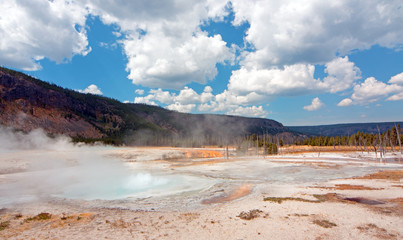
[(136, 185), (92, 178)]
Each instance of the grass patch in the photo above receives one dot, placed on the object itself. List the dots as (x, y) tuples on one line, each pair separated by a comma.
[(274, 199), (320, 198), (324, 223), (367, 226), (300, 215), (326, 197), (250, 215), (4, 225), (281, 199), (39, 217)]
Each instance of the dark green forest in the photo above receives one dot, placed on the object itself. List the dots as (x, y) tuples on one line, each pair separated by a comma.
[(390, 138)]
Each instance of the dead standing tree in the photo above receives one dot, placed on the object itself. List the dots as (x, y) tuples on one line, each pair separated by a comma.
[(398, 139), (373, 141), (380, 145)]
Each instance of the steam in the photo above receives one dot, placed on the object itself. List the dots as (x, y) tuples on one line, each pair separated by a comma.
[(198, 130), (35, 167), (11, 140)]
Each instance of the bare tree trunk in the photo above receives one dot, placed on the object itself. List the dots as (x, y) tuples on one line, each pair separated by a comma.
[(334, 144), (376, 153), (227, 155), (380, 145), (362, 142), (264, 145), (369, 145), (319, 148), (398, 138)]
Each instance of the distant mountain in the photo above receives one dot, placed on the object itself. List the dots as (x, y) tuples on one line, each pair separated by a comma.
[(27, 103), (345, 129)]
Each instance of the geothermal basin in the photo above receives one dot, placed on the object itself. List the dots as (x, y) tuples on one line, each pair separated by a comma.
[(162, 177), (66, 191)]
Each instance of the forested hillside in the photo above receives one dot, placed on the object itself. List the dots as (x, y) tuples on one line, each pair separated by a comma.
[(27, 103), (346, 129)]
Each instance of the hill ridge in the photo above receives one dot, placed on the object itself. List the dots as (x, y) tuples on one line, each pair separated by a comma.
[(27, 103), (345, 129)]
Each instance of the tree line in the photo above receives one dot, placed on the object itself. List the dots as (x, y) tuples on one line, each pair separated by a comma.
[(381, 142)]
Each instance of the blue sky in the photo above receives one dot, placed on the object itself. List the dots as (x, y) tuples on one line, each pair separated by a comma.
[(298, 62)]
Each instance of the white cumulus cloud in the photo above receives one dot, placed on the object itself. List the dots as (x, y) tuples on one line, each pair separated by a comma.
[(93, 89), (396, 97), (139, 91), (181, 107), (315, 105), (145, 100), (294, 80), (188, 100), (398, 79), (310, 31), (372, 90), (31, 30), (252, 111), (164, 43), (162, 40), (288, 38), (341, 75), (345, 102), (186, 96), (156, 60)]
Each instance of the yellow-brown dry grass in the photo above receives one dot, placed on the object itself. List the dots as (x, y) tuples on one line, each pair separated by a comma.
[(393, 175), (315, 149), (203, 154)]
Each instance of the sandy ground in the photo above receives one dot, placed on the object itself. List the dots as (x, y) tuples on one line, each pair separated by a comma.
[(336, 195)]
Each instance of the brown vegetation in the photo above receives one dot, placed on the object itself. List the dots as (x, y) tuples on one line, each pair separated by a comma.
[(376, 231), (39, 217), (4, 225), (281, 199), (250, 215), (324, 223), (394, 175)]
